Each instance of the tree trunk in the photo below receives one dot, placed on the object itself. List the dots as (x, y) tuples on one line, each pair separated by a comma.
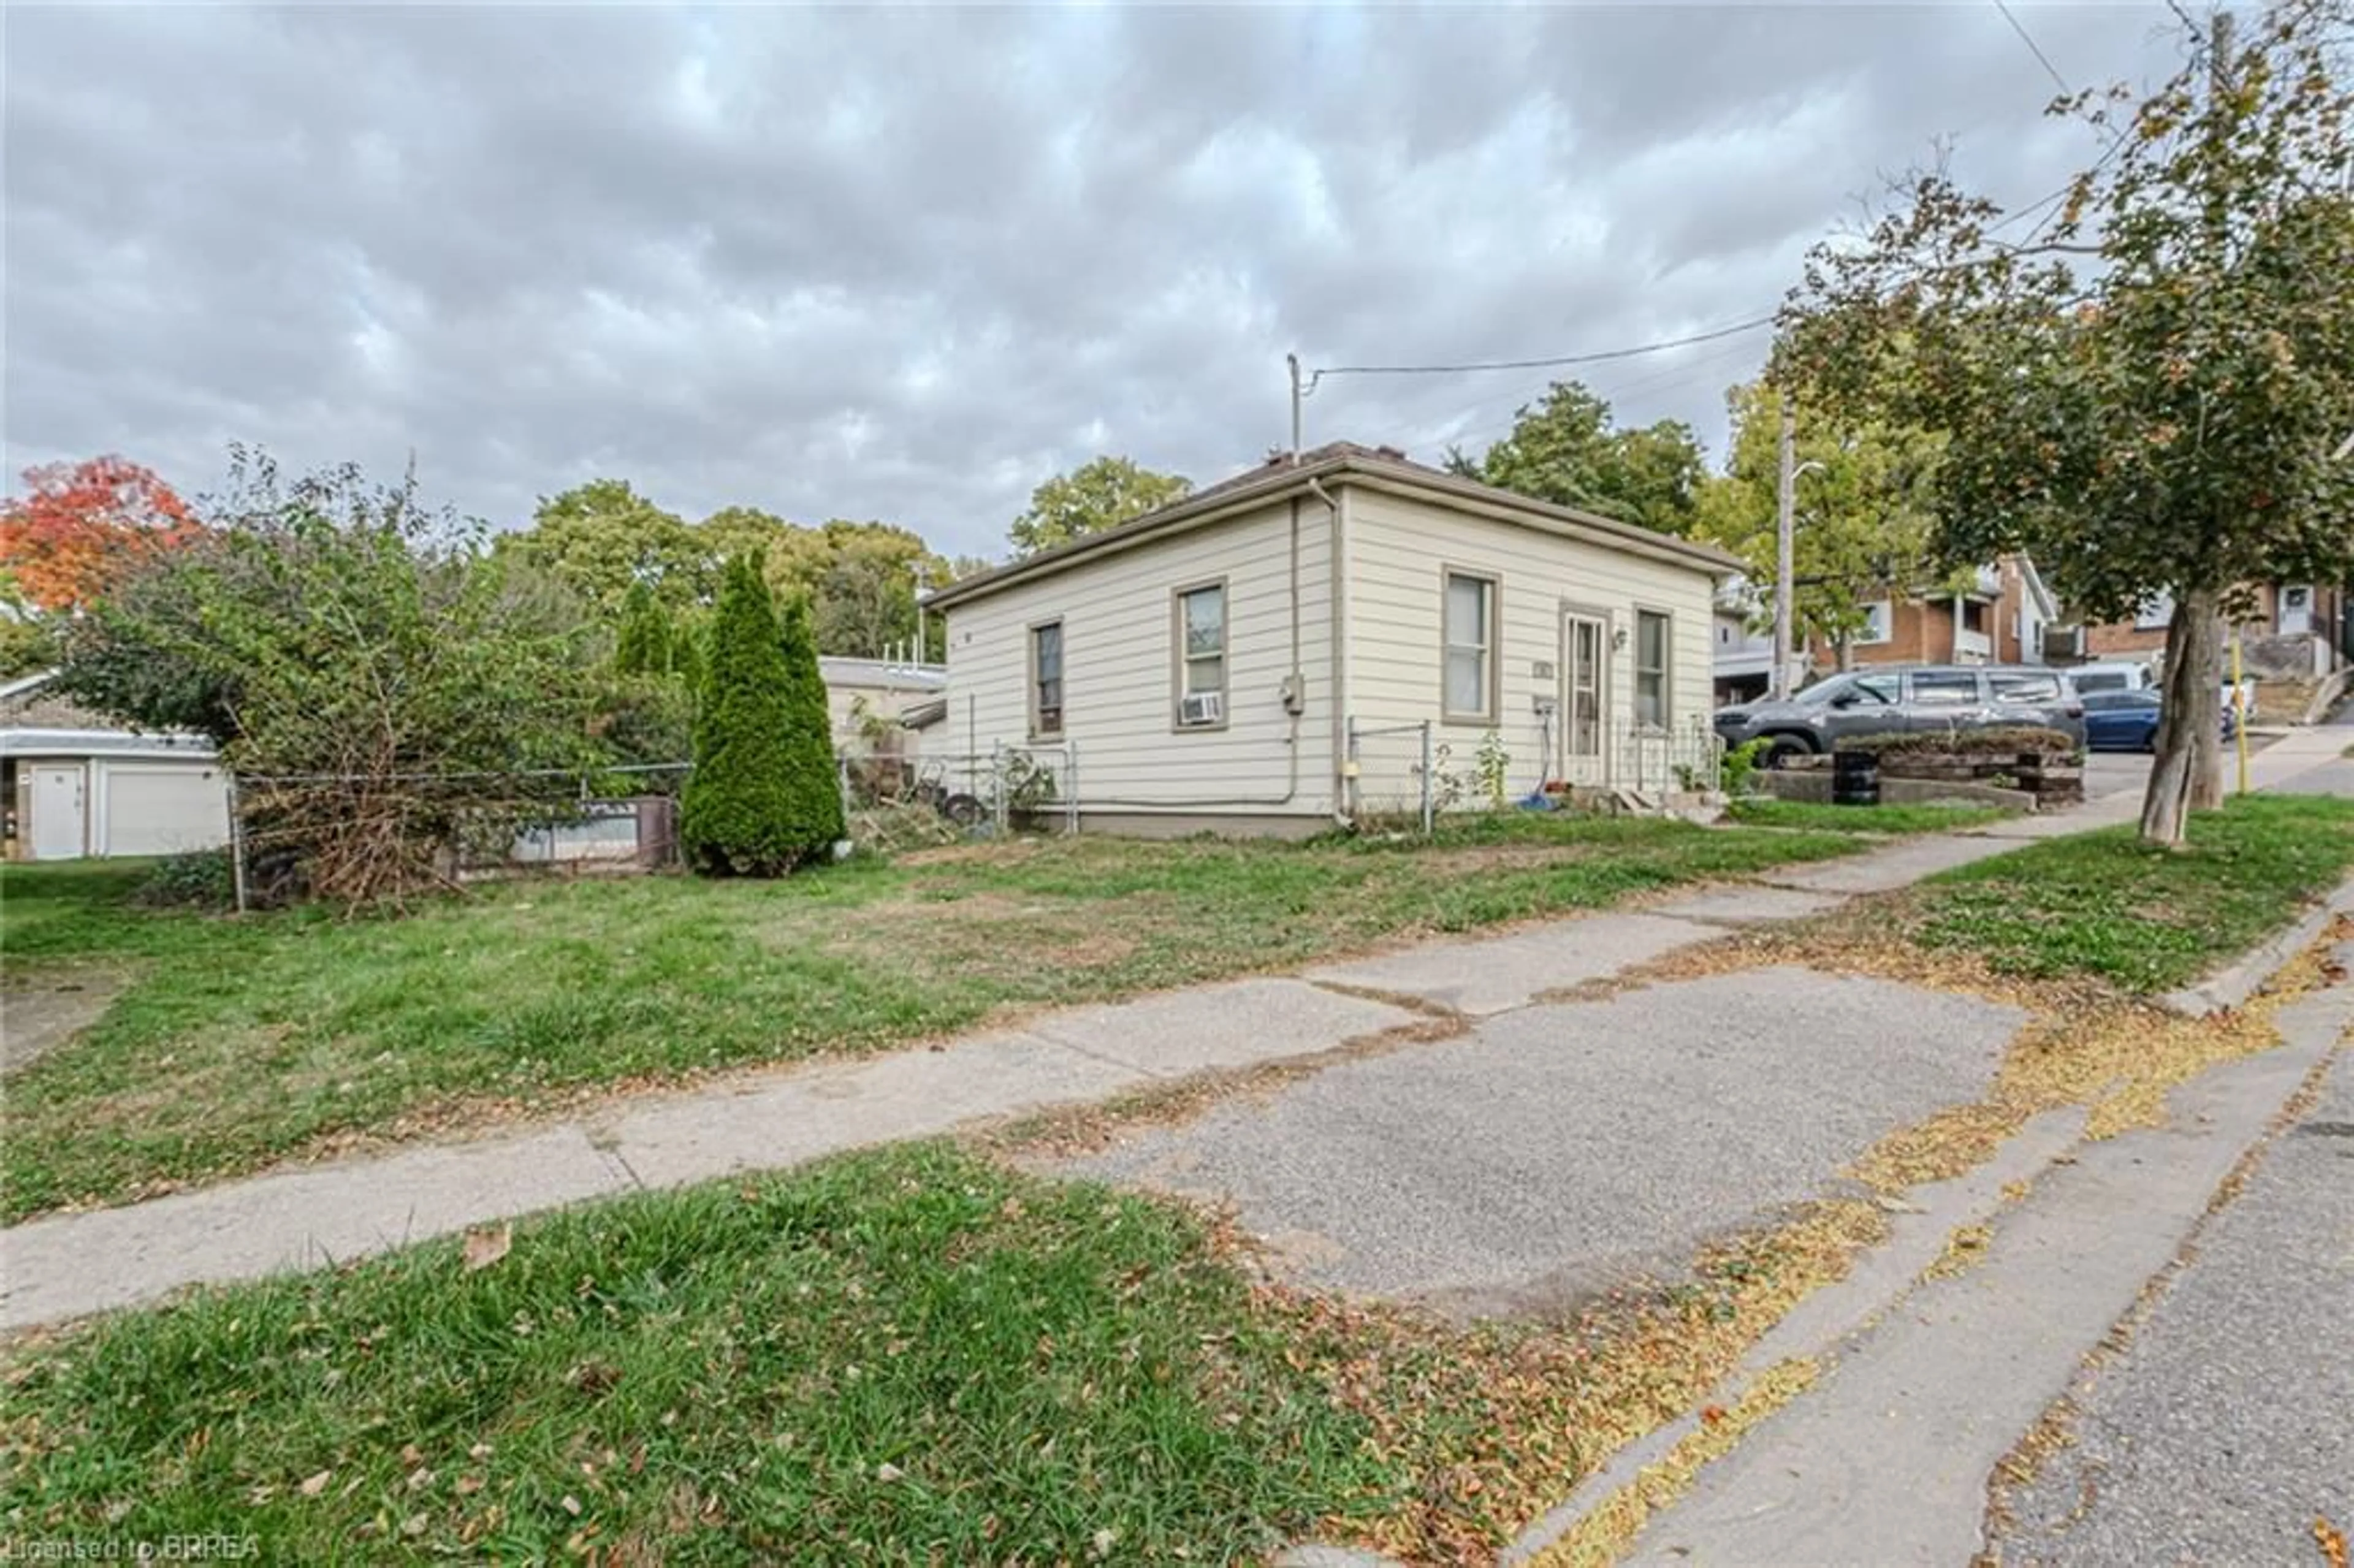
[(2187, 773), (1846, 647)]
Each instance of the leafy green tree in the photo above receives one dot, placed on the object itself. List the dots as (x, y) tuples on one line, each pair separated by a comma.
[(763, 797), (642, 645), (2148, 387), (602, 538), (1865, 527), (384, 689), (28, 644), (1566, 449), (734, 531), (1098, 494)]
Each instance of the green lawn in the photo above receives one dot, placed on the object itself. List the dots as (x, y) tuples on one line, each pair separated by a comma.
[(1765, 811), (899, 1357), (242, 1041), (909, 1355), (2145, 919)]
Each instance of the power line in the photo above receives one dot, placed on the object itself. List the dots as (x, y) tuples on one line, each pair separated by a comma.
[(1680, 376), (1546, 364), (2032, 47)]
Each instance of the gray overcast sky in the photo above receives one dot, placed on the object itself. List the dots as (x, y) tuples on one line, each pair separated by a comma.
[(906, 264)]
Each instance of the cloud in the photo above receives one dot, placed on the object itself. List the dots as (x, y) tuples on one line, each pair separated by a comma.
[(906, 264)]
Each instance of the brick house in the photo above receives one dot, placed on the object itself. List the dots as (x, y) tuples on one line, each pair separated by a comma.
[(2294, 630), (1998, 618)]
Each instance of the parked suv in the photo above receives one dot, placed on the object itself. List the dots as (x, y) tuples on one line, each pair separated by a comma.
[(1922, 697)]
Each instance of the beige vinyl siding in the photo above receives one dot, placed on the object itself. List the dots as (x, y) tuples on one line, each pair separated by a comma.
[(1118, 653), (1398, 550)]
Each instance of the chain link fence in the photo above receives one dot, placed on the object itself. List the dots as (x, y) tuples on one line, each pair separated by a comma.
[(891, 798)]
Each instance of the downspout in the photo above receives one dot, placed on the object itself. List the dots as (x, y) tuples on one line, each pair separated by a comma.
[(1336, 571)]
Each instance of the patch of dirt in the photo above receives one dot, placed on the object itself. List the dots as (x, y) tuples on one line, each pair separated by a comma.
[(40, 1015)]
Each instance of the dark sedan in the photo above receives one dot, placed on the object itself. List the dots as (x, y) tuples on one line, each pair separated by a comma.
[(2128, 721)]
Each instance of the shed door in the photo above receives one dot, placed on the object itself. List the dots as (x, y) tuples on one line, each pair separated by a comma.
[(163, 809), (58, 806)]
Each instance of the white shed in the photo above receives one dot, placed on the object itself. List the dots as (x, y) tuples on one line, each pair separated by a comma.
[(1274, 653), (72, 786)]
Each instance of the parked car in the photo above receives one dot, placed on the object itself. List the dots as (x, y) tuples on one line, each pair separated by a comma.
[(2125, 675), (1921, 697), (2128, 721), (2131, 675)]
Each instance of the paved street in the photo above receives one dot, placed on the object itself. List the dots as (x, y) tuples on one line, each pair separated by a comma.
[(2224, 1429)]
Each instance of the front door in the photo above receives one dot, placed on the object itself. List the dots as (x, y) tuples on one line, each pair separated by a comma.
[(1585, 707), (56, 811)]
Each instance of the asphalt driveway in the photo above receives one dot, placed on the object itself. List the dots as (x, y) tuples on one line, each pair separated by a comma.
[(1560, 1149)]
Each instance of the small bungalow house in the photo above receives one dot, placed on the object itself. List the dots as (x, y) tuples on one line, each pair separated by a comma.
[(73, 784), (1318, 637)]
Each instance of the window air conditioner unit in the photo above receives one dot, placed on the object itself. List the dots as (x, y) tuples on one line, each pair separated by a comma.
[(1202, 707)]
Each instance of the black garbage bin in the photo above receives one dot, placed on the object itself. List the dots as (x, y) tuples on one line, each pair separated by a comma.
[(1855, 778)]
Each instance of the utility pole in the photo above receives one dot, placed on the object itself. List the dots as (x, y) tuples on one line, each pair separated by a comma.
[(1785, 527), (1293, 361)]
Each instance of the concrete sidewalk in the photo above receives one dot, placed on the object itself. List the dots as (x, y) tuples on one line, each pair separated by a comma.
[(68, 1264)]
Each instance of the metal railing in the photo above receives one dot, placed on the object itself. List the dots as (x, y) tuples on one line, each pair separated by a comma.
[(1657, 758), (1421, 770)]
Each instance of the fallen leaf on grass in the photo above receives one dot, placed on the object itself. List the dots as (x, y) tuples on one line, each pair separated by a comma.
[(485, 1244), (317, 1484)]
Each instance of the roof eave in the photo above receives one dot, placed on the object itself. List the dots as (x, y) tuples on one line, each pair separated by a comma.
[(1281, 482)]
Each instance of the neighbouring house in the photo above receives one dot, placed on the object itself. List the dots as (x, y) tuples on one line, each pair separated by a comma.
[(1743, 662), (2293, 631), (74, 785), (1998, 616), (1328, 636), (881, 706)]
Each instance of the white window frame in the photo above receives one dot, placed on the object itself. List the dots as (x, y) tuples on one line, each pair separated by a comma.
[(1878, 614), (1491, 609), (2156, 613)]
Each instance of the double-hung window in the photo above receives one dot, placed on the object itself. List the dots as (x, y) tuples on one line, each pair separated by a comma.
[(1653, 639), (1200, 672), (1046, 681), (1470, 650)]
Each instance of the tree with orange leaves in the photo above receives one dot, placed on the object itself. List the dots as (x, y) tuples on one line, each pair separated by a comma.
[(80, 526)]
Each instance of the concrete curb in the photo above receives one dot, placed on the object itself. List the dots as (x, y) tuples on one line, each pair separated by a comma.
[(1890, 1273), (1818, 1325), (2232, 985)]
